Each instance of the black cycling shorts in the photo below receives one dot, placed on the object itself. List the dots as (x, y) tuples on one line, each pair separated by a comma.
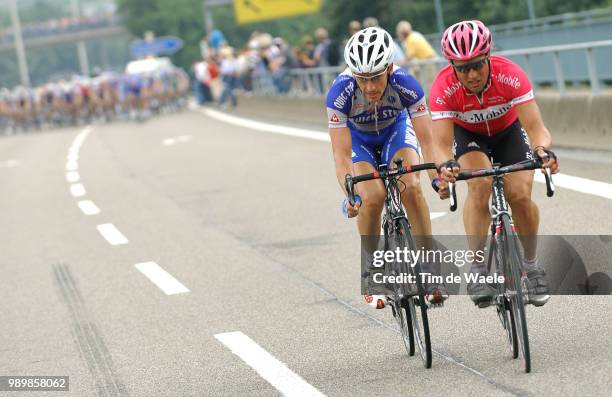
[(507, 147)]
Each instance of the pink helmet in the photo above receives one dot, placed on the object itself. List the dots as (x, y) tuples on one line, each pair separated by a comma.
[(465, 40)]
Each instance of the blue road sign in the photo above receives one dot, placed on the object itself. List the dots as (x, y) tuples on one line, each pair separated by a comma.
[(166, 45)]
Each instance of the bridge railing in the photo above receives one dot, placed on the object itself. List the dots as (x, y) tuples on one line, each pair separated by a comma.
[(569, 20), (545, 67)]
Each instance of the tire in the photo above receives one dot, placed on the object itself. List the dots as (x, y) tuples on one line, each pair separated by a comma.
[(515, 285), (404, 321), (415, 304), (504, 311), (400, 312)]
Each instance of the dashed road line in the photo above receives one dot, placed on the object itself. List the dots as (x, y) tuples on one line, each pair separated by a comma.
[(72, 176), (266, 365), (435, 215), (112, 234), (178, 139), (77, 190), (9, 163), (88, 207), (72, 166), (164, 280)]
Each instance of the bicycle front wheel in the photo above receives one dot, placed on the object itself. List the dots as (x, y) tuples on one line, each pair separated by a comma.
[(404, 321), (515, 291), (415, 303), (504, 312), (399, 308)]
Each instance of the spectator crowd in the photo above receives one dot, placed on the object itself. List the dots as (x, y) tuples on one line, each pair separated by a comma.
[(264, 62)]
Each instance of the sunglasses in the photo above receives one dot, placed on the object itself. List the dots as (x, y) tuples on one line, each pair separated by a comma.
[(364, 79), (466, 67)]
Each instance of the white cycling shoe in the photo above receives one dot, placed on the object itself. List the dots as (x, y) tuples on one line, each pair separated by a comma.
[(376, 301)]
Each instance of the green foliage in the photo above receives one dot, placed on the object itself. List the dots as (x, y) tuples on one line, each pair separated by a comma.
[(180, 18), (184, 18), (291, 29)]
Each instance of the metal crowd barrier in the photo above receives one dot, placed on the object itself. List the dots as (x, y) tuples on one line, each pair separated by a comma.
[(570, 20), (316, 81)]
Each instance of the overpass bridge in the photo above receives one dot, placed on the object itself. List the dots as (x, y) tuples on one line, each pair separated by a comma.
[(115, 29), (39, 37)]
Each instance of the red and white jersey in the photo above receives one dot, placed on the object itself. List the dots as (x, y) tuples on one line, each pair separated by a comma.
[(489, 114)]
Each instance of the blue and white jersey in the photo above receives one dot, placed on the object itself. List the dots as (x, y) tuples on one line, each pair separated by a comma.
[(347, 106)]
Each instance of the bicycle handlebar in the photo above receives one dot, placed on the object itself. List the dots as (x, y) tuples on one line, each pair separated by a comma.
[(498, 171), (350, 181)]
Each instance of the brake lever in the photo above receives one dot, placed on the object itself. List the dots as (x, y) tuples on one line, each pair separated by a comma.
[(452, 196), (349, 186), (550, 186)]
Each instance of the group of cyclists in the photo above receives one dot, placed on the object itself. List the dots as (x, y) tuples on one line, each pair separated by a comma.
[(104, 97), (481, 107)]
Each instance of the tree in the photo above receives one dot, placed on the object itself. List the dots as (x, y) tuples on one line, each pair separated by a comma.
[(180, 18)]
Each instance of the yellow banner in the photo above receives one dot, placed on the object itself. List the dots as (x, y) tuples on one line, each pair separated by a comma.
[(248, 11)]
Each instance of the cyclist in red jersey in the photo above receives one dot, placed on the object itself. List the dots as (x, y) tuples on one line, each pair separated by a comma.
[(482, 106)]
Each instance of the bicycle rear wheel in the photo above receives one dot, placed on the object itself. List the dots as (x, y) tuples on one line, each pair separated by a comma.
[(415, 304), (515, 289)]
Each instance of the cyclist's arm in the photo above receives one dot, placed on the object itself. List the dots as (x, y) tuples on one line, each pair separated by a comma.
[(531, 120), (443, 134), (342, 151), (422, 127)]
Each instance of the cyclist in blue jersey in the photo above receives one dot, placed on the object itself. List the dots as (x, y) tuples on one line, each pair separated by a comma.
[(377, 113)]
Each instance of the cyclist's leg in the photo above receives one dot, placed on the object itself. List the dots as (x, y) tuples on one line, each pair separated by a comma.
[(471, 151), (372, 192), (513, 148), (402, 143), (369, 219)]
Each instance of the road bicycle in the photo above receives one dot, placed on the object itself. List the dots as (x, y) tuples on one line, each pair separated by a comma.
[(505, 254), (407, 299)]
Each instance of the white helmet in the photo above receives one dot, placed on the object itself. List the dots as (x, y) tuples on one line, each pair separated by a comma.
[(369, 51)]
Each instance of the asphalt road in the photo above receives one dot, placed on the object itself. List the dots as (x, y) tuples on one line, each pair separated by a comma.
[(248, 226)]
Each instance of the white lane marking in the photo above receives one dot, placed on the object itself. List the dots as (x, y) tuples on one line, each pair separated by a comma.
[(178, 139), (582, 185), (72, 166), (9, 163), (266, 365), (79, 139), (578, 184), (88, 207), (77, 190), (434, 215), (112, 234), (73, 157), (164, 280), (275, 129), (72, 176)]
